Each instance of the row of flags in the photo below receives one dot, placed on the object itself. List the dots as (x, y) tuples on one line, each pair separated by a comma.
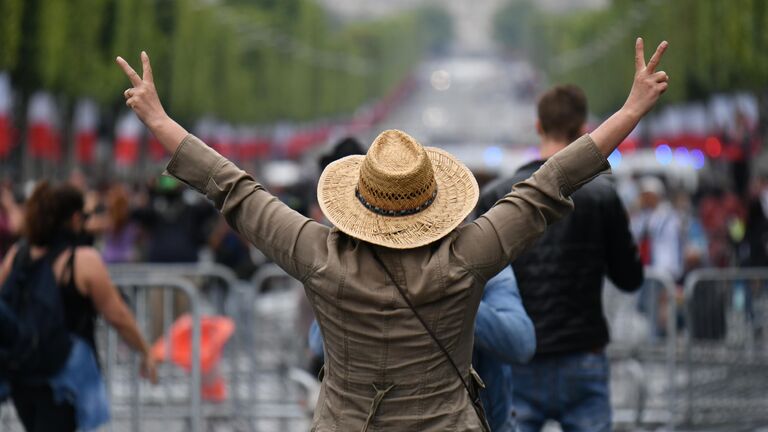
[(43, 135), (242, 142), (724, 126)]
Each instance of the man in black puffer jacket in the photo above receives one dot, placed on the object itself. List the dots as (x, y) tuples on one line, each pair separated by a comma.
[(561, 279)]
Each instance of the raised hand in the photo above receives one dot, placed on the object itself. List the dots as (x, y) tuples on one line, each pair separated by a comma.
[(142, 97), (646, 89), (648, 84), (143, 100)]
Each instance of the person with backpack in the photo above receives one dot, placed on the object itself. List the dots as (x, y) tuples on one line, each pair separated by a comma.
[(396, 283), (52, 292)]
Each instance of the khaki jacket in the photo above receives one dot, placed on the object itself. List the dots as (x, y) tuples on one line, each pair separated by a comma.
[(383, 372)]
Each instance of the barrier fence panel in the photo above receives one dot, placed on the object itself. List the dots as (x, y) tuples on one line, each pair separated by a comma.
[(643, 351), (284, 399), (258, 366), (726, 356), (220, 293), (175, 402), (713, 376)]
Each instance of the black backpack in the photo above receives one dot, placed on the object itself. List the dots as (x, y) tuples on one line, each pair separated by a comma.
[(32, 308)]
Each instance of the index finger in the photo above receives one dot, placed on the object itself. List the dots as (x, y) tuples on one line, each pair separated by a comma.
[(657, 57), (132, 75), (639, 55), (146, 67)]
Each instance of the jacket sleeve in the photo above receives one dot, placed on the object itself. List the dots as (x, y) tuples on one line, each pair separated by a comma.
[(491, 193), (486, 245), (624, 267), (502, 327), (294, 242)]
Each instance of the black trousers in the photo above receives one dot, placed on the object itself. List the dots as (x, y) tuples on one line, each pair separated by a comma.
[(39, 412)]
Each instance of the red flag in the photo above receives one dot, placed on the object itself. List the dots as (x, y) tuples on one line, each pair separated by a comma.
[(127, 135), (43, 142), (251, 145), (156, 150), (5, 137), (42, 136), (5, 115), (86, 120), (85, 149), (224, 140)]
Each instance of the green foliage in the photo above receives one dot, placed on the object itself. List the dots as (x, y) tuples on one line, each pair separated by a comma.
[(52, 43), (512, 24), (437, 27), (10, 32), (715, 46), (237, 60)]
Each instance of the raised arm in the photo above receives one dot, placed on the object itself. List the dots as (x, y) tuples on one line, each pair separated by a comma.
[(293, 241), (142, 98), (646, 89), (91, 273), (499, 235)]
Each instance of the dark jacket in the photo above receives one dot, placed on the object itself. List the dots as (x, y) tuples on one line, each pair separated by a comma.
[(561, 276)]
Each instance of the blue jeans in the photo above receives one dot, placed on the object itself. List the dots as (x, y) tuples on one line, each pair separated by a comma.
[(571, 389)]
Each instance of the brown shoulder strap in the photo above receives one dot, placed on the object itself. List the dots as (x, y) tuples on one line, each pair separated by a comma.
[(473, 396)]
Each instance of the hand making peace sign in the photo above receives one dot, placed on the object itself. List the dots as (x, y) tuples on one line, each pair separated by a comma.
[(648, 84), (142, 98)]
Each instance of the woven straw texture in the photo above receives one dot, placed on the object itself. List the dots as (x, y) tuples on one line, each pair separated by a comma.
[(397, 174)]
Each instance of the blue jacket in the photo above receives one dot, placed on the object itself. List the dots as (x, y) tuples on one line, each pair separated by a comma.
[(503, 334)]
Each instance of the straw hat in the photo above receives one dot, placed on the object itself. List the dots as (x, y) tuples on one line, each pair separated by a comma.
[(399, 195)]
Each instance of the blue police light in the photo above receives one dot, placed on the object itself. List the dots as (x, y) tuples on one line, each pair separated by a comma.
[(615, 158), (664, 154), (682, 157), (698, 159), (492, 156)]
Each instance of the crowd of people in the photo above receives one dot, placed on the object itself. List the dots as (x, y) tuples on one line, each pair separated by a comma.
[(160, 220), (415, 310)]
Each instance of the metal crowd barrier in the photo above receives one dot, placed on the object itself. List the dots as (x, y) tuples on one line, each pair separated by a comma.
[(286, 391), (268, 389), (643, 353), (135, 404), (218, 291), (176, 399), (726, 352), (252, 382), (714, 374)]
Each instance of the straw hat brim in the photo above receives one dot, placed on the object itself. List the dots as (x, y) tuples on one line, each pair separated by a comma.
[(457, 194)]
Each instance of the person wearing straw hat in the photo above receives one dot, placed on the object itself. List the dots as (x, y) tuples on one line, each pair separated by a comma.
[(396, 282)]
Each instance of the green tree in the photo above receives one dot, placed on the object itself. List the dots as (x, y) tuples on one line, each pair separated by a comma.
[(10, 32)]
